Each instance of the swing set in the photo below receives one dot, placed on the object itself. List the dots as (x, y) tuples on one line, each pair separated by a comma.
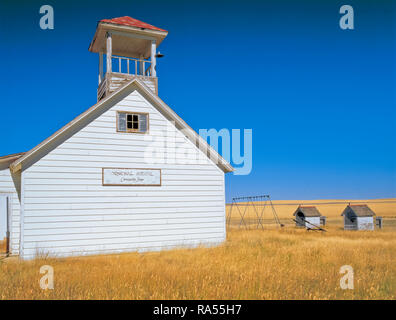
[(259, 205)]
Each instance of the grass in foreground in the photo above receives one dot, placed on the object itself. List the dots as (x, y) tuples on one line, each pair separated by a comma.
[(255, 264), (3, 246)]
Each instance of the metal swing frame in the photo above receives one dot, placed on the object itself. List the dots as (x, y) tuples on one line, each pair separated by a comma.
[(251, 201)]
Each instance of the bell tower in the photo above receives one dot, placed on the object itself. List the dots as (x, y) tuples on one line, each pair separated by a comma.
[(127, 49)]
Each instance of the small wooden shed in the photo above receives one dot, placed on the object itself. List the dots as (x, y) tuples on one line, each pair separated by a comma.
[(307, 216), (358, 217)]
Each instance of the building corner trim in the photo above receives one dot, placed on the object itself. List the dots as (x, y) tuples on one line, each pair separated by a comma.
[(22, 216)]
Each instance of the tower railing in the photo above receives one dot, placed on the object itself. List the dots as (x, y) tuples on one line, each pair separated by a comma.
[(124, 69), (131, 66)]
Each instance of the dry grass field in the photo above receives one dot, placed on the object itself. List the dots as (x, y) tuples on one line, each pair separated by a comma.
[(3, 246), (274, 263), (332, 209)]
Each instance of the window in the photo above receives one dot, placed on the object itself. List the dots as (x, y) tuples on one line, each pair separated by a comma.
[(132, 122)]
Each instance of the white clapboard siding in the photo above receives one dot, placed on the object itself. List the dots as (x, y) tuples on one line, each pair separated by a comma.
[(138, 213), (67, 210), (120, 219), (150, 84), (132, 201), (111, 194), (57, 232), (80, 188), (118, 81), (117, 205), (94, 170), (99, 164), (87, 238), (81, 240), (7, 186), (87, 182)]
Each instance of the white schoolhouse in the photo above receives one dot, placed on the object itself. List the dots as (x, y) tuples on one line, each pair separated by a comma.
[(126, 175)]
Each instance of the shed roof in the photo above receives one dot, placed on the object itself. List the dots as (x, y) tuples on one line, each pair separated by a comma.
[(308, 211), (360, 210)]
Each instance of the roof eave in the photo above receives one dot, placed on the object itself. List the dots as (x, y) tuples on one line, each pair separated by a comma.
[(106, 26), (134, 28), (8, 160)]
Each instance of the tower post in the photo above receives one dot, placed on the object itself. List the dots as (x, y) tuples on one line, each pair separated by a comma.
[(109, 52), (153, 58), (100, 67), (141, 65)]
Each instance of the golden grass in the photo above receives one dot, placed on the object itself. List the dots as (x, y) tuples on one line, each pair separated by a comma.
[(3, 246), (272, 264)]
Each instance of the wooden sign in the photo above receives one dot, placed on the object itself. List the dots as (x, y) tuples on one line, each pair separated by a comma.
[(131, 177)]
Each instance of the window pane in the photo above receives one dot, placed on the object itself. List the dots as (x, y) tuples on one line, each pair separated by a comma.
[(134, 122), (121, 122), (143, 122)]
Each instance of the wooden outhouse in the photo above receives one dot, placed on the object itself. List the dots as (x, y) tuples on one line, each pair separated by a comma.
[(358, 217), (128, 174), (307, 216)]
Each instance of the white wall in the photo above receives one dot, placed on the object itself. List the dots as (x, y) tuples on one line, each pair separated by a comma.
[(365, 223), (313, 220), (7, 186), (68, 211), (118, 81), (3, 216)]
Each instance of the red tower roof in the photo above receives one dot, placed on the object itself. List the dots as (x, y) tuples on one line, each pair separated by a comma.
[(128, 21)]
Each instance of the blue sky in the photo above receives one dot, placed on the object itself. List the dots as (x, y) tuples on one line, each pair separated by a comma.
[(320, 100)]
